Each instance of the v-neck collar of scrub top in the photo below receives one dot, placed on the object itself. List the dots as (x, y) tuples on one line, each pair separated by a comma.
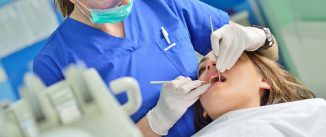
[(99, 37)]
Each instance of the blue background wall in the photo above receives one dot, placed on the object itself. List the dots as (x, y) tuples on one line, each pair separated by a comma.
[(18, 63), (6, 91), (233, 6)]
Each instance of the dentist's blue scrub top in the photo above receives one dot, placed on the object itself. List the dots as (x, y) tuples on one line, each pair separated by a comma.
[(141, 54)]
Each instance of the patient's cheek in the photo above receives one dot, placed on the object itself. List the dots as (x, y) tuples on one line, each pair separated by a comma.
[(202, 78)]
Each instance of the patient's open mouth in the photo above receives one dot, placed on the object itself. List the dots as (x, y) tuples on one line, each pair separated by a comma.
[(215, 78)]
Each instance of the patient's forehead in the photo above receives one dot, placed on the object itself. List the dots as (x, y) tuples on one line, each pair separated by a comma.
[(210, 55)]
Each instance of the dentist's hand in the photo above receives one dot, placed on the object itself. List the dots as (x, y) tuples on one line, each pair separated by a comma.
[(175, 98), (230, 41)]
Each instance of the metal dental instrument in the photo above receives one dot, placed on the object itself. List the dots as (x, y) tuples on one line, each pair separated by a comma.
[(163, 82), (159, 82), (212, 28)]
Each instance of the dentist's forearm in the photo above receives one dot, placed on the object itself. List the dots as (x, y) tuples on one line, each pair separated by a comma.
[(145, 128)]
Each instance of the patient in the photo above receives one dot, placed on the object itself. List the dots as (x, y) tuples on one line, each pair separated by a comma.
[(253, 81)]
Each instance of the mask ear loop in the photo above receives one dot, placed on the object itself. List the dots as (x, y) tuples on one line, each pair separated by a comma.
[(85, 8)]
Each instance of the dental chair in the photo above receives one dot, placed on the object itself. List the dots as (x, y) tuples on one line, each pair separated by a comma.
[(81, 105), (17, 120)]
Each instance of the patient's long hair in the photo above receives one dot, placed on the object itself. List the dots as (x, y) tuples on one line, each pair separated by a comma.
[(284, 87)]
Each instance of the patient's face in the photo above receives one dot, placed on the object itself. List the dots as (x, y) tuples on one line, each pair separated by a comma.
[(239, 87)]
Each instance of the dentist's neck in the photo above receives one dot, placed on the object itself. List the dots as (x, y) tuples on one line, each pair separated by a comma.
[(112, 29)]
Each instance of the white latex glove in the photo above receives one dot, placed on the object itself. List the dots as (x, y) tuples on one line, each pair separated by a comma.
[(175, 98), (230, 41)]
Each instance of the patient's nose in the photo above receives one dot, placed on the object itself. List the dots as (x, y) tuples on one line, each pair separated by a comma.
[(210, 66)]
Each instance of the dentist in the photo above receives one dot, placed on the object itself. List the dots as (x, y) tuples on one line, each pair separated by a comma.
[(149, 40)]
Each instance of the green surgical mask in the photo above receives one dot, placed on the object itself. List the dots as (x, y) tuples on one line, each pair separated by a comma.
[(111, 15)]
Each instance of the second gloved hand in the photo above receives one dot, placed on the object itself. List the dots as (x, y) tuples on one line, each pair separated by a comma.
[(175, 98), (230, 41)]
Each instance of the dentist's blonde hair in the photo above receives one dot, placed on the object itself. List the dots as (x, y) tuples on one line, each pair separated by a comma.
[(284, 86)]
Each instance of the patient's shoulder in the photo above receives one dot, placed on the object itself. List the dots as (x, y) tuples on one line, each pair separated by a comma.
[(304, 115)]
